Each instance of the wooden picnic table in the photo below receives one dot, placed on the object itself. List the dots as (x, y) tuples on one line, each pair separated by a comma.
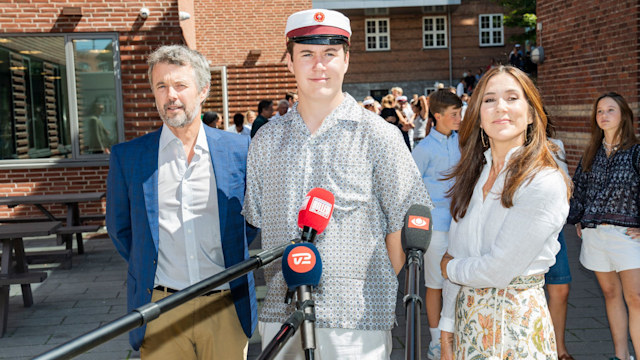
[(11, 237), (70, 200)]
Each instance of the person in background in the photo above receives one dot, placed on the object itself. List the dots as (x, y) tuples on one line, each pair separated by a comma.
[(462, 86), (606, 211), (238, 125), (97, 136), (421, 123), (396, 91), (173, 213), (249, 118), (282, 109), (329, 141), (404, 106), (479, 74), (508, 203), (369, 104), (265, 110), (291, 98), (435, 156), (470, 82), (211, 119), (465, 103), (393, 115)]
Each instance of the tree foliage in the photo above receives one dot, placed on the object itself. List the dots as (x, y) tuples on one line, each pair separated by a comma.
[(522, 14)]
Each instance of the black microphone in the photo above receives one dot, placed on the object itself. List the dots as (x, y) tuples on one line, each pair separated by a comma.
[(416, 236), (416, 233)]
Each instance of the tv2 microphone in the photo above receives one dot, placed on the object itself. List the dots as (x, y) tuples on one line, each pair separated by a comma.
[(416, 236), (416, 232), (302, 269), (315, 213)]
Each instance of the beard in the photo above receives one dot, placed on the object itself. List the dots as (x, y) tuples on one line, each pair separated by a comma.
[(179, 120)]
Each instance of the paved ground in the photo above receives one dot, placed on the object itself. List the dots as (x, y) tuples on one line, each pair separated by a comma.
[(72, 302)]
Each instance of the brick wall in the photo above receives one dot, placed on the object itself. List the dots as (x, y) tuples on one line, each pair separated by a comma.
[(591, 47), (407, 61), (249, 40), (230, 30)]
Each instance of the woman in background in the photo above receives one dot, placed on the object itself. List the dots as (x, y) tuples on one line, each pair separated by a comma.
[(606, 210), (421, 123)]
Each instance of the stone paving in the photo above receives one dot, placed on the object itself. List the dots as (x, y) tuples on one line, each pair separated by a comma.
[(72, 302)]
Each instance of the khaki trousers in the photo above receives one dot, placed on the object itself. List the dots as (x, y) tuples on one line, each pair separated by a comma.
[(205, 328)]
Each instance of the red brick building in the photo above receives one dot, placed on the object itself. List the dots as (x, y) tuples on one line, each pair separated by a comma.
[(591, 47), (77, 70), (426, 42)]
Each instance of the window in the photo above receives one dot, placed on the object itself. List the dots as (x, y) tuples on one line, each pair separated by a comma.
[(377, 34), (434, 9), (434, 29), (491, 30), (429, 90), (376, 11), (63, 100), (378, 94)]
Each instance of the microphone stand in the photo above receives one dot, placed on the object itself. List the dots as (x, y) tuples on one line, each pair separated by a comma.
[(413, 303), (306, 305), (286, 332)]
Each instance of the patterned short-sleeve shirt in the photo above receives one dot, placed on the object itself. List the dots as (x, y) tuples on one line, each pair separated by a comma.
[(364, 162)]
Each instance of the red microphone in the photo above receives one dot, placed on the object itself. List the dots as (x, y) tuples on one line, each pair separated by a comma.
[(315, 213)]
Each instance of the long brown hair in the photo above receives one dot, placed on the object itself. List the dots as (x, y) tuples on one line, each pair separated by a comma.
[(625, 131), (524, 164)]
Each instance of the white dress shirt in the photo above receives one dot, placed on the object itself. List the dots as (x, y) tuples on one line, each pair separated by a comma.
[(492, 245), (189, 248)]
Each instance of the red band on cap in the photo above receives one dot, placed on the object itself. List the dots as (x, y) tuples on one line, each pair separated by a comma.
[(317, 30)]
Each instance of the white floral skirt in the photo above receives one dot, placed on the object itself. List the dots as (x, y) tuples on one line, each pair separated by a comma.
[(511, 323)]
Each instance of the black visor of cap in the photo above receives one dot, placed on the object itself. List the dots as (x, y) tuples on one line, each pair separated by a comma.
[(321, 40)]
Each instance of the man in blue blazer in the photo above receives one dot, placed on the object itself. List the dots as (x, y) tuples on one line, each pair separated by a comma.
[(174, 198)]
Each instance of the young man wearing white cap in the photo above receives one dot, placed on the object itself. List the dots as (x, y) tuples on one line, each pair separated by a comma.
[(327, 140)]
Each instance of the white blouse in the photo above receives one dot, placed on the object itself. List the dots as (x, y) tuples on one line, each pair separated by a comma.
[(492, 245)]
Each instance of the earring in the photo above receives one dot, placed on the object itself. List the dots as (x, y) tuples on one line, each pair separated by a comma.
[(484, 144)]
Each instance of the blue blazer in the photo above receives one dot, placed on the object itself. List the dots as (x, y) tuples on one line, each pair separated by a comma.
[(132, 216)]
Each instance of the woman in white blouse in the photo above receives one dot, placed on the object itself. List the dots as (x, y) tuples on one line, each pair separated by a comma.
[(509, 203)]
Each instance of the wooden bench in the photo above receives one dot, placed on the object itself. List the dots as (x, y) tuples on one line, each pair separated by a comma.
[(13, 252), (65, 235)]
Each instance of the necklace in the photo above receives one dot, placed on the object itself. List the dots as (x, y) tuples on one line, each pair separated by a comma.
[(610, 146)]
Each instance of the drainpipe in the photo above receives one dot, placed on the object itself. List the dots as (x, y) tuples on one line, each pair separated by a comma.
[(450, 56)]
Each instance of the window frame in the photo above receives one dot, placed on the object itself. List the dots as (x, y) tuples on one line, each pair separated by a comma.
[(77, 159), (435, 32), (491, 29), (377, 34)]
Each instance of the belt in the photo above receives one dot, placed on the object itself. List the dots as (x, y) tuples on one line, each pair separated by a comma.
[(172, 291)]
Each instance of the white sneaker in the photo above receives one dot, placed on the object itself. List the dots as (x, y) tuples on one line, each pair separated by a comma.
[(434, 351)]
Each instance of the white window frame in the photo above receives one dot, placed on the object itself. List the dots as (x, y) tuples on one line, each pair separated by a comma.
[(491, 29), (377, 34), (434, 32)]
